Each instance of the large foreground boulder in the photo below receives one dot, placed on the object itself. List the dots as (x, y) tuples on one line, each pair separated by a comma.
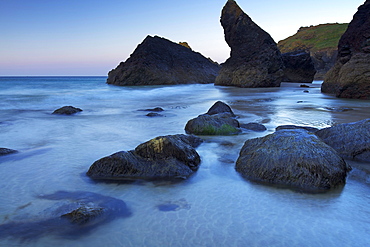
[(350, 76), (294, 158), (219, 120), (350, 140), (158, 61), (255, 60), (164, 157), (299, 67)]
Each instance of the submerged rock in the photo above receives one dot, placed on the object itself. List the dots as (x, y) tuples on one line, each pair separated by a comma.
[(6, 151), (350, 140), (308, 128), (158, 61), (74, 215), (164, 157), (294, 158), (299, 67), (219, 120), (255, 60), (67, 110), (350, 76)]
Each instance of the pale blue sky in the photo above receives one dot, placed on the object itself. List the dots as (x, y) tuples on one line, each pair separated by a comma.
[(77, 37)]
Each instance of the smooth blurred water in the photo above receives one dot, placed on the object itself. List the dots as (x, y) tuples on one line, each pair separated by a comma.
[(216, 206)]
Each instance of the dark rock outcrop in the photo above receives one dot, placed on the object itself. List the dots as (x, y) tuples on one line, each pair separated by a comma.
[(164, 157), (294, 158), (350, 76), (72, 216), (158, 61), (350, 140), (6, 151), (67, 110), (299, 67), (320, 41), (219, 120), (255, 60)]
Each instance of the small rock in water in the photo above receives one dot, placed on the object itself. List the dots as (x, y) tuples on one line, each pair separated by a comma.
[(156, 109), (5, 151), (154, 114), (254, 126), (67, 110)]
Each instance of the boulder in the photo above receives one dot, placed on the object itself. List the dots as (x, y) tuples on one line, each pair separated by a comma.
[(6, 151), (292, 157), (158, 61), (255, 60), (350, 140), (164, 157), (253, 126), (350, 76), (220, 107), (219, 120), (67, 110), (299, 67)]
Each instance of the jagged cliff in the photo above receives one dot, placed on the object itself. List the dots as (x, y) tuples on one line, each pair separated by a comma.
[(350, 76), (255, 60)]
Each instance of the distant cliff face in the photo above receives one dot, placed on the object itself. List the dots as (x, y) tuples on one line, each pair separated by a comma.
[(158, 61), (320, 41), (255, 60), (350, 76)]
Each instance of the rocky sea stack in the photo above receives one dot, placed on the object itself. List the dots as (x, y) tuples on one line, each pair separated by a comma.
[(350, 76), (255, 60), (158, 61), (292, 157)]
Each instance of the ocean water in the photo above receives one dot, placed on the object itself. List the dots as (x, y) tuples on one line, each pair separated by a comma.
[(215, 207)]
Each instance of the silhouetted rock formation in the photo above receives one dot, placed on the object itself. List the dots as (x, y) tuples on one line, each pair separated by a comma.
[(298, 67), (164, 157), (350, 140), (158, 61), (294, 158), (350, 76), (255, 60)]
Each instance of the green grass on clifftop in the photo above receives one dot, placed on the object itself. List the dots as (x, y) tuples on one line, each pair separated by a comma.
[(314, 38)]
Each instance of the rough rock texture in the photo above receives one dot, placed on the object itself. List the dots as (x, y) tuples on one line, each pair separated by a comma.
[(67, 110), (350, 76), (6, 151), (255, 60), (164, 157), (158, 61), (350, 140), (219, 120), (293, 158), (299, 67)]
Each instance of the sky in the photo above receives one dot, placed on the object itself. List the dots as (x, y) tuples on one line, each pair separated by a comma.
[(80, 37)]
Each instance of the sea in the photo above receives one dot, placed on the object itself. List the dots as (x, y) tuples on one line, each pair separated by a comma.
[(214, 207)]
